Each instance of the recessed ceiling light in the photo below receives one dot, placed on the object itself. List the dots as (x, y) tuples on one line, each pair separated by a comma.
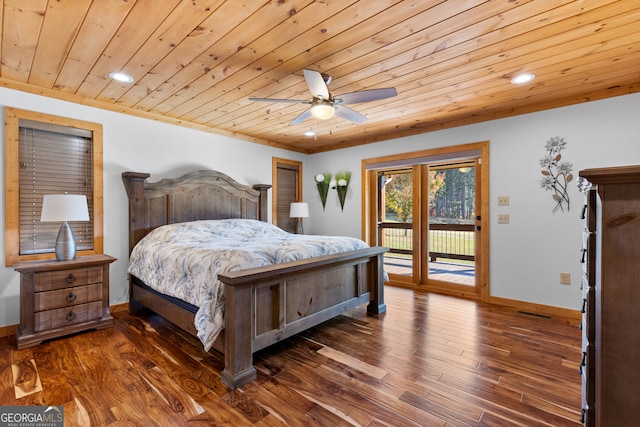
[(309, 133), (522, 78), (121, 77)]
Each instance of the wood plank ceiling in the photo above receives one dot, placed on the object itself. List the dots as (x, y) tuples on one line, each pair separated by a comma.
[(196, 62)]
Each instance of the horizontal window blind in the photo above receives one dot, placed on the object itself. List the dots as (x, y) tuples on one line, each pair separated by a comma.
[(53, 160), (287, 180)]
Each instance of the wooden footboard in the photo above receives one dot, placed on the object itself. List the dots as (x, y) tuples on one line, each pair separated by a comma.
[(288, 298), (268, 304)]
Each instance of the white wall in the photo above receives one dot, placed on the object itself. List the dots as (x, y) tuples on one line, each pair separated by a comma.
[(528, 254), (139, 145)]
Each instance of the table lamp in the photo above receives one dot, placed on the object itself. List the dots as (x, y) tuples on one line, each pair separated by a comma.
[(299, 210), (65, 207)]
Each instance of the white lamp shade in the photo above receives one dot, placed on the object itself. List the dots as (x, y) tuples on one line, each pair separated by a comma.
[(299, 210), (64, 207)]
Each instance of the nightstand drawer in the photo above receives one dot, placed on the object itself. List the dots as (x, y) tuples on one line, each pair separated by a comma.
[(67, 297), (51, 280), (62, 317)]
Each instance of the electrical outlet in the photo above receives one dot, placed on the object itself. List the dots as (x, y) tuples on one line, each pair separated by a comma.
[(503, 219), (565, 278), (503, 200)]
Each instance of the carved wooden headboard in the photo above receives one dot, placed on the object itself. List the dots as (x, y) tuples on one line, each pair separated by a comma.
[(198, 195)]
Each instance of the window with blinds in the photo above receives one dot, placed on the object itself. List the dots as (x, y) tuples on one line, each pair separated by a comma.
[(53, 159), (286, 190), (287, 194)]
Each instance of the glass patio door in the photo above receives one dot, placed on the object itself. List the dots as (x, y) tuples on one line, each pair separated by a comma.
[(395, 214), (451, 223), (427, 208), (429, 227)]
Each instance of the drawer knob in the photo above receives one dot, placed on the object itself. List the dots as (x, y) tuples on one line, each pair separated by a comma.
[(71, 297), (70, 278), (70, 316)]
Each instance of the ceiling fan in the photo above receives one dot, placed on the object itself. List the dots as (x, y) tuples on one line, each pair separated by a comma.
[(324, 105)]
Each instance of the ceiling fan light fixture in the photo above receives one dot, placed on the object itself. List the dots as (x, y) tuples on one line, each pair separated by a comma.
[(323, 106), (322, 110)]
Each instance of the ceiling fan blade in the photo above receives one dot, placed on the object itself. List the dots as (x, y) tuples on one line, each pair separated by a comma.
[(301, 117), (349, 114), (316, 84), (290, 101), (366, 95)]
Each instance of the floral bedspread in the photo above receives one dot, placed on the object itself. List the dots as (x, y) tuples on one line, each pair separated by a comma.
[(183, 260)]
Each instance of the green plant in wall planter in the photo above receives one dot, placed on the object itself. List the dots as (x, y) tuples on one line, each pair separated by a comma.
[(323, 181), (342, 186), (556, 174)]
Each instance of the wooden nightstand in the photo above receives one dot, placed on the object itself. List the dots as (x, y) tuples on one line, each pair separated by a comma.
[(62, 297)]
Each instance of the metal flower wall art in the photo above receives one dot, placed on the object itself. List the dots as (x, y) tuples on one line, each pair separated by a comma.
[(556, 174), (342, 186), (323, 181)]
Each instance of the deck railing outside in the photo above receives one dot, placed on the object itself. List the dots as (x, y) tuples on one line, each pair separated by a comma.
[(446, 241)]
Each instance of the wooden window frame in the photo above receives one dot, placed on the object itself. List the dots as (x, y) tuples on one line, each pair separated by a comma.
[(12, 179)]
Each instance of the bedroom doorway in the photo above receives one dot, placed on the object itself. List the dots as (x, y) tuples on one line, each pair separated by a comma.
[(427, 207)]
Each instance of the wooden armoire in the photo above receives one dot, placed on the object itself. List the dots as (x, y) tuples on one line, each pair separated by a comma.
[(610, 365)]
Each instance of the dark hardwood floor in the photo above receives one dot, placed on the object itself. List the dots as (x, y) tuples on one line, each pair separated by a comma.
[(431, 360)]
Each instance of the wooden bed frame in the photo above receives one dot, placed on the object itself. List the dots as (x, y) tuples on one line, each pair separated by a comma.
[(262, 305)]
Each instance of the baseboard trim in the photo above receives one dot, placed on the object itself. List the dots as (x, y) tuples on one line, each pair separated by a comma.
[(119, 307), (539, 309), (6, 331)]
